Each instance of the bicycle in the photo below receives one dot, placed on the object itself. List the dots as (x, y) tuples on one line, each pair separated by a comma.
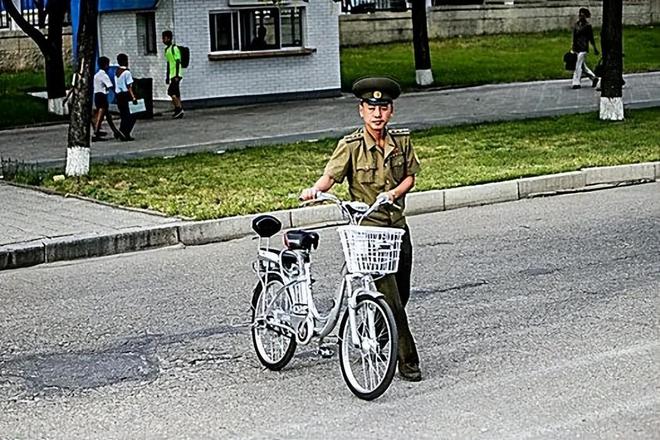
[(283, 310)]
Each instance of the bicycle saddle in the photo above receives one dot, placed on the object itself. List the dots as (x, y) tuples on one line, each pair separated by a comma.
[(266, 225), (301, 240)]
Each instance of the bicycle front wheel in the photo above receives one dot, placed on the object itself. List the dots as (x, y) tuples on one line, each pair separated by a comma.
[(271, 309), (368, 363)]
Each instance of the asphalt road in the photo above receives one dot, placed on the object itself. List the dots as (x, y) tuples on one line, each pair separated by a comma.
[(534, 319)]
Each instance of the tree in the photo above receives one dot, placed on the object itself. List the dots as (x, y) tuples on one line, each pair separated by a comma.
[(611, 97), (423, 73), (50, 45), (78, 151)]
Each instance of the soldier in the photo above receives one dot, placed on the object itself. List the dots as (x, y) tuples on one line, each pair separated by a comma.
[(377, 160)]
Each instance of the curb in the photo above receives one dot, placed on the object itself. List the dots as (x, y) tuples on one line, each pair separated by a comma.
[(26, 254)]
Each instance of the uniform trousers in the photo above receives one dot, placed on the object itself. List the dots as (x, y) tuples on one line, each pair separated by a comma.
[(127, 118), (396, 288)]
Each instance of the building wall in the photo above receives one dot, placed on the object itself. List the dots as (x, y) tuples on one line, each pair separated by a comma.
[(118, 34), (206, 79), (451, 21)]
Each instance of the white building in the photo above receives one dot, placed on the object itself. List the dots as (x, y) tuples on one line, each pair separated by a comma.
[(299, 58)]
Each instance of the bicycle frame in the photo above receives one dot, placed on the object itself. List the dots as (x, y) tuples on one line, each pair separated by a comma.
[(297, 283)]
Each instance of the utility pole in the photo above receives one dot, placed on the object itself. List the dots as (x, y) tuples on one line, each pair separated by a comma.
[(423, 73), (611, 97)]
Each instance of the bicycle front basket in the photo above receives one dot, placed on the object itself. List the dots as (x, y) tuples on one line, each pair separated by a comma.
[(371, 249)]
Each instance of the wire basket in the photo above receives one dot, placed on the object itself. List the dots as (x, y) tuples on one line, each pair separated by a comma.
[(370, 249)]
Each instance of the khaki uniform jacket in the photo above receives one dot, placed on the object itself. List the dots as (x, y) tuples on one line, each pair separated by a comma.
[(371, 170)]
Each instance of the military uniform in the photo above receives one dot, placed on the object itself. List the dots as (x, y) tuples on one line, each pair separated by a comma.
[(370, 171)]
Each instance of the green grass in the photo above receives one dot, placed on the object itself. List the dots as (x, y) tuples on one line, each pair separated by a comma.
[(260, 179), (17, 108), (493, 58)]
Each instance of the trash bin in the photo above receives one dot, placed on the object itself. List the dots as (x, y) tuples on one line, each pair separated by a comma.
[(144, 89)]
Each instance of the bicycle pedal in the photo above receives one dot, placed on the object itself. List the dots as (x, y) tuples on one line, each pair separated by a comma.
[(326, 351)]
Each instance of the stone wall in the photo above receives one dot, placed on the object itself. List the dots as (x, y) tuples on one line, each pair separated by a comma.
[(451, 21), (19, 52)]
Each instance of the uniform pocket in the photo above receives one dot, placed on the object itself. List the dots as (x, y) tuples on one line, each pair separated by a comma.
[(364, 174), (398, 167)]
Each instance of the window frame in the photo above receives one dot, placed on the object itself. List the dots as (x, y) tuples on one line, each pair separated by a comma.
[(239, 33), (148, 40)]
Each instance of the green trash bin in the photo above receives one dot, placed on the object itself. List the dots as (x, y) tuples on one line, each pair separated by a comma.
[(144, 89)]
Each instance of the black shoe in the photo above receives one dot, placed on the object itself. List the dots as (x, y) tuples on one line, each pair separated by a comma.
[(594, 82), (97, 138), (127, 139), (101, 133), (119, 136), (178, 114), (410, 373), (576, 87)]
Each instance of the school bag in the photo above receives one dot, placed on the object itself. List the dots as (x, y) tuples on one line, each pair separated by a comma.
[(185, 56)]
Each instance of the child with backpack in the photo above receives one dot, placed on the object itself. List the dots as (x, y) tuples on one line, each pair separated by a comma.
[(175, 65)]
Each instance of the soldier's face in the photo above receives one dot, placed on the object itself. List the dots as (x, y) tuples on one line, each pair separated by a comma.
[(376, 116)]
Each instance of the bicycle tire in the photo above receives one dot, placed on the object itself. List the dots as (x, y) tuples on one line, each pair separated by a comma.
[(391, 343), (287, 353)]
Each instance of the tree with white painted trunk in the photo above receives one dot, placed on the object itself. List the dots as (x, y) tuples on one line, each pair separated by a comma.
[(423, 73), (78, 144), (611, 98), (50, 45)]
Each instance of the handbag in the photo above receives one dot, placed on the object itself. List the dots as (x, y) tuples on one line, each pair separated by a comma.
[(570, 60)]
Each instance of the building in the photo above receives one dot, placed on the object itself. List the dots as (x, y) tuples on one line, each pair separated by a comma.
[(297, 56)]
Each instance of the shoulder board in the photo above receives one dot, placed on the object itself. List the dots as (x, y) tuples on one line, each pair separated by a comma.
[(399, 132), (355, 136)]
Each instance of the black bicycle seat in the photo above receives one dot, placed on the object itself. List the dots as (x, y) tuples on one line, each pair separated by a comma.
[(266, 225), (302, 240)]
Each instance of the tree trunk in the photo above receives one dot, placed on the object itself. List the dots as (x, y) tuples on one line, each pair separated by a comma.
[(50, 47), (611, 97), (78, 151), (423, 73)]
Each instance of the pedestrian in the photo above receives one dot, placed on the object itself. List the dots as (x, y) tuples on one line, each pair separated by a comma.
[(102, 84), (377, 160), (174, 73), (125, 94), (583, 34)]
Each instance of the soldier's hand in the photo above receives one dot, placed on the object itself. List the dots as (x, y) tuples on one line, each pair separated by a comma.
[(308, 194)]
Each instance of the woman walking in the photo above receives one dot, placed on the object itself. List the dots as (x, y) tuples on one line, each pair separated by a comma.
[(125, 94), (583, 34)]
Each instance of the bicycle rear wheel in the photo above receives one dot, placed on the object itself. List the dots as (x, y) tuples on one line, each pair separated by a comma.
[(271, 309), (368, 364)]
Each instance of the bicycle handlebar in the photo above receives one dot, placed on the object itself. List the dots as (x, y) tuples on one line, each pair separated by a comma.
[(355, 217)]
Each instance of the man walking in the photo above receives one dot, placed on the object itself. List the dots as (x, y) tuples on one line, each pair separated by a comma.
[(378, 161), (174, 73)]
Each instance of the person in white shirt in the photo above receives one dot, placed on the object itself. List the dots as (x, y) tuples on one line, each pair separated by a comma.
[(125, 94), (102, 85)]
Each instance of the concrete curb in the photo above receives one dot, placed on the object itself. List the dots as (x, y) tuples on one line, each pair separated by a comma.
[(203, 232)]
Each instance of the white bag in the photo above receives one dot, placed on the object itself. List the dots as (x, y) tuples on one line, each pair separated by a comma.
[(137, 108)]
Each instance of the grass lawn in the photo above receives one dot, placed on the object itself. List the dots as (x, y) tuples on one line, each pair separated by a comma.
[(260, 179), (17, 108), (493, 58)]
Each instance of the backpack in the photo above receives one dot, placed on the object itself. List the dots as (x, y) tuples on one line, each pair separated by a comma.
[(185, 56)]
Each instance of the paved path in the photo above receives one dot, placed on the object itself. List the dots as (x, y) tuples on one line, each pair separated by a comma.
[(27, 215), (232, 127)]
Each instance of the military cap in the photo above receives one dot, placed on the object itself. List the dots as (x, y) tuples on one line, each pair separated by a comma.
[(376, 90)]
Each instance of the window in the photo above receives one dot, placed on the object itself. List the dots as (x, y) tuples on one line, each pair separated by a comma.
[(146, 32), (256, 29)]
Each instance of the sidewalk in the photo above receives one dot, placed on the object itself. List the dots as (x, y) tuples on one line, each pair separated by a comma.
[(233, 127), (36, 227)]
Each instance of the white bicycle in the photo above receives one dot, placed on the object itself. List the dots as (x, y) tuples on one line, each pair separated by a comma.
[(283, 309)]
